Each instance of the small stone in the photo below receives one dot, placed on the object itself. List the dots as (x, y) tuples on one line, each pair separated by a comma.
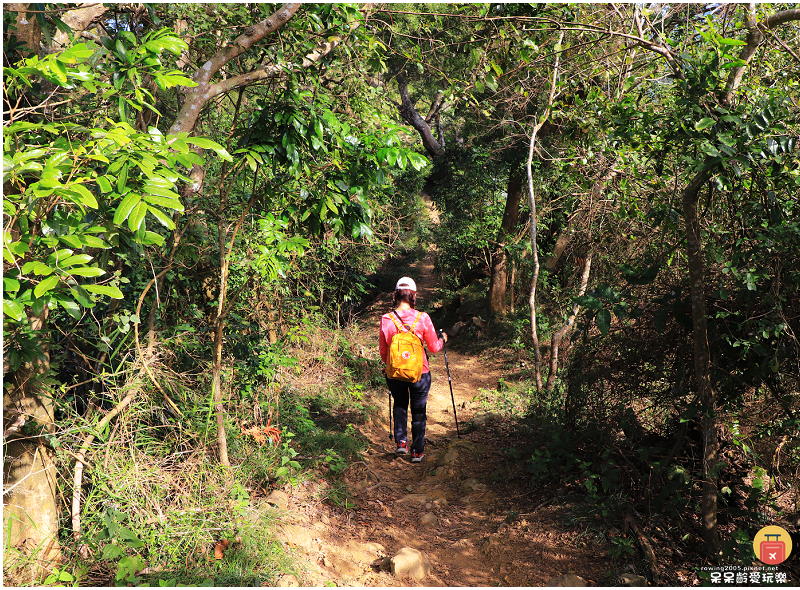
[(411, 562), (429, 519), (288, 581), (472, 485), (413, 499), (484, 418), (632, 580), (376, 547), (567, 580), (278, 499)]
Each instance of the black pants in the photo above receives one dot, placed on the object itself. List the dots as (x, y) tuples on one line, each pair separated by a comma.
[(404, 392)]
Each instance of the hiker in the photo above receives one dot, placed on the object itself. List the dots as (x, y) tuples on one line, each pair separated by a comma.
[(410, 387)]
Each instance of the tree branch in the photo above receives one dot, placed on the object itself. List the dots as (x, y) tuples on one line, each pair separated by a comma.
[(436, 106), (535, 250), (413, 118), (197, 97), (755, 34)]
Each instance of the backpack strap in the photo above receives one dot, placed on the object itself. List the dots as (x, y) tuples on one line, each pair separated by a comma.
[(401, 324)]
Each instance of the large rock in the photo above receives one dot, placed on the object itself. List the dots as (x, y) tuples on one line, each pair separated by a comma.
[(411, 562), (457, 327), (448, 457), (567, 580)]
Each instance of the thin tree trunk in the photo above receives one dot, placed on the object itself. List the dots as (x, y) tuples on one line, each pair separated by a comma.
[(702, 361), (499, 273), (216, 388), (555, 340), (535, 249)]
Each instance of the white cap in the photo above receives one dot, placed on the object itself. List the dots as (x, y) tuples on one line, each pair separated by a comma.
[(406, 283)]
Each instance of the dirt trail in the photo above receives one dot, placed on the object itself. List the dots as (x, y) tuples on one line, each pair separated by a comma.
[(458, 506)]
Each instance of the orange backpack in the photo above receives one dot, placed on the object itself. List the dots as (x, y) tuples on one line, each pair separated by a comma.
[(406, 355)]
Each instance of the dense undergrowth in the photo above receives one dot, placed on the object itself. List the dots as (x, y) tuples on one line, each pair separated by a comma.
[(619, 449), (157, 502)]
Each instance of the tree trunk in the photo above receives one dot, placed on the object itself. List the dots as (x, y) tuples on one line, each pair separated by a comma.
[(499, 276), (702, 361), (534, 246), (78, 20), (558, 336), (413, 118), (29, 31), (30, 509), (216, 387)]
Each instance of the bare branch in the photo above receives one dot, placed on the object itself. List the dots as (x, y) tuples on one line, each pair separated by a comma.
[(436, 106), (535, 279)]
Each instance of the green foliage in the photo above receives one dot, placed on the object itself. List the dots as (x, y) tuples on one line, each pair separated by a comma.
[(469, 192), (287, 454), (74, 192)]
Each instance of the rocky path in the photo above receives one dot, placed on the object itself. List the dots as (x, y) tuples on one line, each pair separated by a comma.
[(455, 519)]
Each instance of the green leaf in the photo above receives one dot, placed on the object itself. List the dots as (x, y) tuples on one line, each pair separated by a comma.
[(82, 296), (137, 216), (704, 123), (121, 51), (13, 310), (73, 260), (163, 199), (417, 161), (125, 207), (87, 271), (122, 179), (724, 41), (207, 144), (604, 321), (108, 290), (112, 552), (45, 286), (162, 217), (589, 302), (149, 238), (87, 198), (72, 308)]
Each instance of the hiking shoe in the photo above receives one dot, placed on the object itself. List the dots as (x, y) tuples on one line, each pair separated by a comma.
[(402, 447), (416, 456)]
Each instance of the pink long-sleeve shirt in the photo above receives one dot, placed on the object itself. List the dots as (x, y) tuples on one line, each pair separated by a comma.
[(424, 329)]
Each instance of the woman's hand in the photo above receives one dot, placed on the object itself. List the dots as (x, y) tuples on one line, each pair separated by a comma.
[(444, 336)]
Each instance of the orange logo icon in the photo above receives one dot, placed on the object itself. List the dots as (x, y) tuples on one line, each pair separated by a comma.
[(772, 545)]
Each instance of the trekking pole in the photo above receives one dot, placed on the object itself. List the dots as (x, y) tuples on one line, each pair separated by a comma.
[(450, 382)]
